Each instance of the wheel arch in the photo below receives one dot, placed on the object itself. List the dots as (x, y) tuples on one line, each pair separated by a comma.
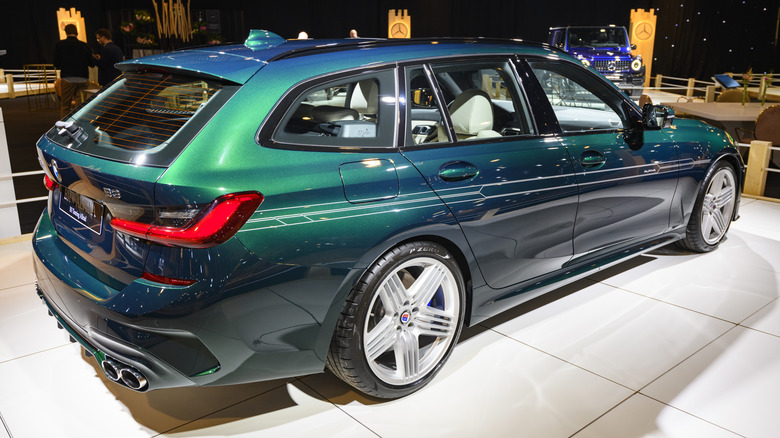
[(735, 161), (460, 259), (459, 251)]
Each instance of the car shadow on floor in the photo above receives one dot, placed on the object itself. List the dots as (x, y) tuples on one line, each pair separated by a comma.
[(554, 295), (166, 409)]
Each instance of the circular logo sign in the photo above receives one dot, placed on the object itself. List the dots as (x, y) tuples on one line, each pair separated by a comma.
[(399, 30), (405, 317), (643, 31)]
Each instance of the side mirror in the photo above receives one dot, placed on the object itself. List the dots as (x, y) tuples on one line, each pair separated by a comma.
[(657, 116), (633, 46)]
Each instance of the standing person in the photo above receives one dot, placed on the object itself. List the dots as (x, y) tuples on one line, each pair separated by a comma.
[(109, 55), (73, 58)]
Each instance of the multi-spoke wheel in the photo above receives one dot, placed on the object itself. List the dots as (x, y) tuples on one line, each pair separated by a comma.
[(400, 322), (714, 209)]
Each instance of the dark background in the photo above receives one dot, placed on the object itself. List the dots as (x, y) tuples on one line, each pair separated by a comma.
[(695, 38)]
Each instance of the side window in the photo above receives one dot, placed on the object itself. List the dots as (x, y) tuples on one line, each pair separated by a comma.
[(356, 111), (580, 100), (481, 98)]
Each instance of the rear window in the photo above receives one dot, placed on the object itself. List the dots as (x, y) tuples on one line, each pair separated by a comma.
[(140, 118)]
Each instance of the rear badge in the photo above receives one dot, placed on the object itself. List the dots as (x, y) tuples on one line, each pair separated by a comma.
[(55, 171), (112, 193)]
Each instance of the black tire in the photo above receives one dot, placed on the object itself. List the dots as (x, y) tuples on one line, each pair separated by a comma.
[(390, 316), (714, 209)]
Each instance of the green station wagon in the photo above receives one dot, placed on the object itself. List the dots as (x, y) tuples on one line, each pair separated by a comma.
[(263, 210)]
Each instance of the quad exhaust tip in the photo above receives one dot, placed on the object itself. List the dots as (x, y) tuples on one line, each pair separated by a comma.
[(114, 370), (124, 374)]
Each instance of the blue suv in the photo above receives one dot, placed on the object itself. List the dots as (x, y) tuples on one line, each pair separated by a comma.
[(605, 48)]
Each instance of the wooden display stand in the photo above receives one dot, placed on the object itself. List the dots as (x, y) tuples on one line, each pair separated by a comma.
[(642, 34), (71, 17), (399, 24)]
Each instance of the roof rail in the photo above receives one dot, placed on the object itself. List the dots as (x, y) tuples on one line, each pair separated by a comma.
[(348, 44)]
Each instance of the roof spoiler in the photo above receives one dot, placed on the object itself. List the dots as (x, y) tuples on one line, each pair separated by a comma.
[(263, 39)]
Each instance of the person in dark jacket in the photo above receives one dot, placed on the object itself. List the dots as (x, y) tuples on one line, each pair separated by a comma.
[(73, 58), (109, 55)]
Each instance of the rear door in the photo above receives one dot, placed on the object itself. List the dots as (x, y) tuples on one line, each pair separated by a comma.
[(513, 191)]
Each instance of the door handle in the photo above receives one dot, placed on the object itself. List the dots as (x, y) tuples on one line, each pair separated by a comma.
[(457, 171), (592, 159)]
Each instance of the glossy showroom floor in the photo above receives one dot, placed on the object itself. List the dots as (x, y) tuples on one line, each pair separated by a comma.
[(667, 345)]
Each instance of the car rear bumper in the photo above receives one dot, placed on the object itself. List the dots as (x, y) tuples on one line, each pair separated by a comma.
[(64, 288), (171, 345)]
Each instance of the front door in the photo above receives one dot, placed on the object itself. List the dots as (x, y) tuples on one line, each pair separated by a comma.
[(626, 178)]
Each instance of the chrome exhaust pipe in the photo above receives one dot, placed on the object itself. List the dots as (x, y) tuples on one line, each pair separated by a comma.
[(111, 369), (133, 379)]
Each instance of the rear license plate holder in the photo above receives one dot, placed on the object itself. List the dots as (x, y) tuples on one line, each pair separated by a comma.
[(82, 209)]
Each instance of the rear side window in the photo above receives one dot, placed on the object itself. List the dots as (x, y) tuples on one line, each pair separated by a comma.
[(137, 118), (357, 111)]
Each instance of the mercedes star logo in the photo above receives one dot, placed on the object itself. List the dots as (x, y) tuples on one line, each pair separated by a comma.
[(643, 30), (399, 30)]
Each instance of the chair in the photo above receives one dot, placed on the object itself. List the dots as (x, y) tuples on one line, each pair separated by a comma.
[(732, 95), (472, 115), (767, 127), (39, 82)]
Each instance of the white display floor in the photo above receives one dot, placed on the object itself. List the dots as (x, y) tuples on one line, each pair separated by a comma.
[(667, 345)]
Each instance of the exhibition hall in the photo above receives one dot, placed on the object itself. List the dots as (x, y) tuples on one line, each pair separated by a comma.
[(441, 218)]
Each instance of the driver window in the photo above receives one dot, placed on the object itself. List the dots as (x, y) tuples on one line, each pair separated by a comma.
[(580, 101)]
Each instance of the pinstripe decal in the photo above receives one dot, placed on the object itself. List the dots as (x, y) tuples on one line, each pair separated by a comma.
[(308, 214)]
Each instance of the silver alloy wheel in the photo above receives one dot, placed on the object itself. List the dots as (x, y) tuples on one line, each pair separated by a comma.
[(413, 320), (718, 206)]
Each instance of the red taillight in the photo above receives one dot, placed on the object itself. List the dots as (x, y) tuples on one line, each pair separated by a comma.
[(166, 280), (49, 183), (216, 223)]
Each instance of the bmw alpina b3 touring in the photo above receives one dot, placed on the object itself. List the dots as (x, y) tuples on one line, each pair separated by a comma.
[(263, 210)]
